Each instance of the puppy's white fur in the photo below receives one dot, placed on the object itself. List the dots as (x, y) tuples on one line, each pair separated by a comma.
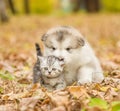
[(81, 64)]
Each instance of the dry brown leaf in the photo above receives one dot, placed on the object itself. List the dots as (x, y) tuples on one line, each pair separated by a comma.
[(116, 73), (45, 107), (59, 98), (59, 108), (7, 107), (77, 91), (34, 87), (74, 105), (116, 58), (28, 104), (95, 93), (109, 65), (7, 96), (12, 96), (6, 66), (34, 91), (24, 81), (111, 81), (110, 93)]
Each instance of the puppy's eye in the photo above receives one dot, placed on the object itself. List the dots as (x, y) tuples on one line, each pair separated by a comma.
[(53, 48), (45, 68), (68, 49)]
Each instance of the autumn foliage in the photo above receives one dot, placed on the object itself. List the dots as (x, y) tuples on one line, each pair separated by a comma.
[(17, 57)]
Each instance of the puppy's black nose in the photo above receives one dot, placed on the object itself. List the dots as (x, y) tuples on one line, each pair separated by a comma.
[(49, 72), (61, 58)]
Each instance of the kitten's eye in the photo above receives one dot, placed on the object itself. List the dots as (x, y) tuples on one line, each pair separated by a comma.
[(68, 49), (45, 68), (53, 69), (59, 71), (53, 48)]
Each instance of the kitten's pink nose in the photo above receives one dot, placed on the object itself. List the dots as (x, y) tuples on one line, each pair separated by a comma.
[(61, 58), (49, 72)]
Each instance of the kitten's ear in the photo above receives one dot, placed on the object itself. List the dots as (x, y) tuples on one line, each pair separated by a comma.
[(81, 41), (44, 37)]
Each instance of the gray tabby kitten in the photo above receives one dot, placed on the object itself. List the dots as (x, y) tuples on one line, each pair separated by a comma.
[(49, 70)]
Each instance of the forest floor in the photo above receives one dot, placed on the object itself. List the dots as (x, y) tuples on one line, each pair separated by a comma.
[(17, 57)]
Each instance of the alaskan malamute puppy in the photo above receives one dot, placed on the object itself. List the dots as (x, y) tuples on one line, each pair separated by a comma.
[(70, 46)]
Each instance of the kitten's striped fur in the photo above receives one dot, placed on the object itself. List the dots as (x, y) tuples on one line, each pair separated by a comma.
[(48, 71), (38, 50), (37, 76)]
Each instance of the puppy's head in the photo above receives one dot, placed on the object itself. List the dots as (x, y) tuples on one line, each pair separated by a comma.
[(63, 42)]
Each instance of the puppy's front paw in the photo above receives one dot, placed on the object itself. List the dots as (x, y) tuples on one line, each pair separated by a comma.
[(84, 81)]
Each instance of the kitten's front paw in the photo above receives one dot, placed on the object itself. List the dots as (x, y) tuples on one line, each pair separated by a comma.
[(84, 81), (60, 87)]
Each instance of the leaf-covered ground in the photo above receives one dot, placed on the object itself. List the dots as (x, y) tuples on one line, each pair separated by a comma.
[(17, 57)]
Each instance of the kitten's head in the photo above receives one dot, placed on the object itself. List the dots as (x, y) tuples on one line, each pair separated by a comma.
[(51, 66)]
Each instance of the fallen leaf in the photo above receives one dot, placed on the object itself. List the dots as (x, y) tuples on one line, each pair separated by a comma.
[(7, 107), (110, 93), (59, 108), (28, 104), (59, 98), (97, 102), (115, 106), (7, 96), (77, 91), (74, 105)]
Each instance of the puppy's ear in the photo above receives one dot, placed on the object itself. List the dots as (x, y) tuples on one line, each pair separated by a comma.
[(44, 37), (81, 41)]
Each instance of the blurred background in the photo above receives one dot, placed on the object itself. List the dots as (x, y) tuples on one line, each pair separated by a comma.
[(16, 7), (23, 22)]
